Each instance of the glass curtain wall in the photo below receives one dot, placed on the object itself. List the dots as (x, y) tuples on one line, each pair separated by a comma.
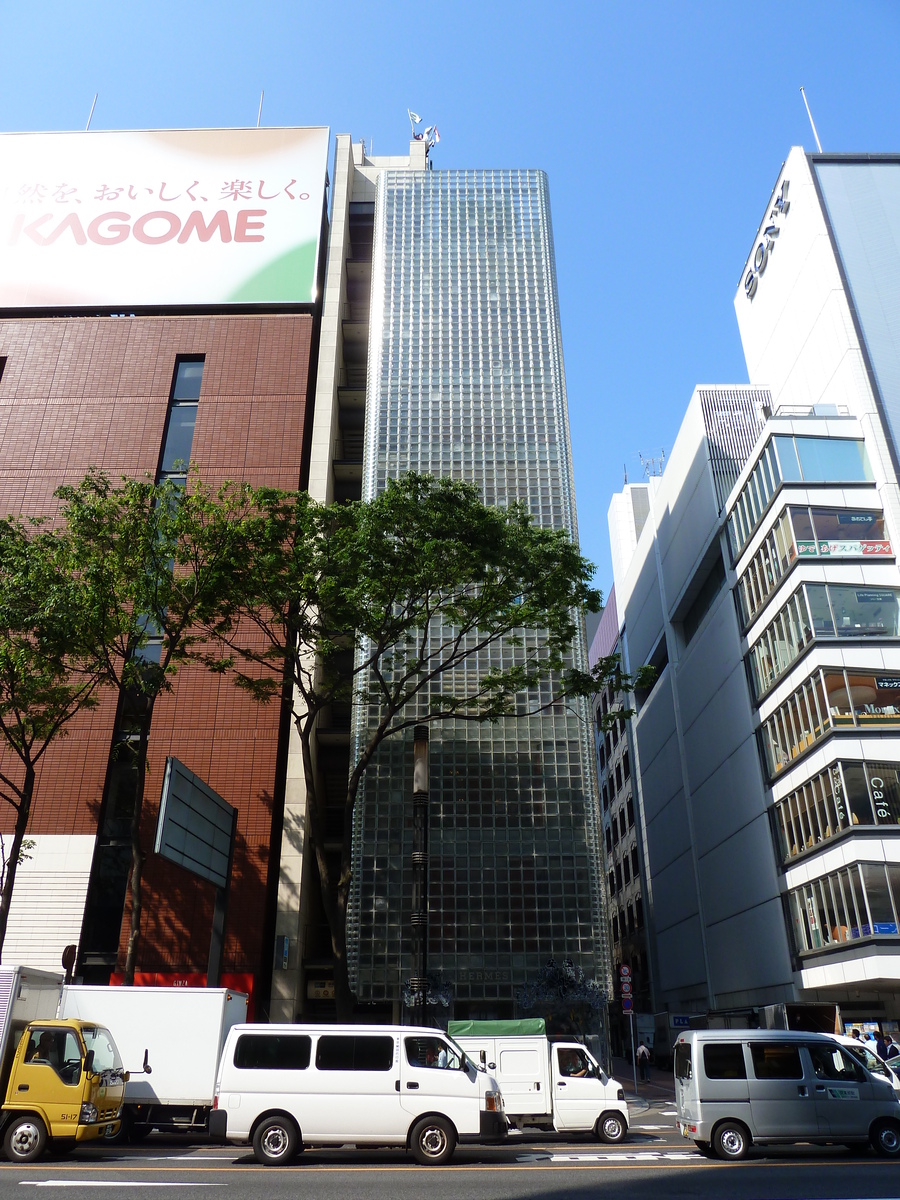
[(466, 380)]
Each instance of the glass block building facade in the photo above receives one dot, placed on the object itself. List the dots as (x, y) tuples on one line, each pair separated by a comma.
[(466, 380)]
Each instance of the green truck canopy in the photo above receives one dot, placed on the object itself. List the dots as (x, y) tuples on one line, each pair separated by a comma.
[(527, 1026)]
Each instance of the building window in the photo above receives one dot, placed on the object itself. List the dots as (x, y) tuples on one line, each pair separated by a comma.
[(854, 902), (841, 797), (821, 612), (804, 533), (793, 460), (709, 589), (179, 437), (831, 698)]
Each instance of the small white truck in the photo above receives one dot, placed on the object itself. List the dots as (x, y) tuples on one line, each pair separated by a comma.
[(554, 1086), (182, 1028)]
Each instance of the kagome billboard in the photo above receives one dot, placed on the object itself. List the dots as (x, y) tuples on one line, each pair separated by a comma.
[(126, 220)]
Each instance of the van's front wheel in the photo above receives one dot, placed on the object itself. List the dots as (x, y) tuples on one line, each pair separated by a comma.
[(611, 1127), (433, 1141), (276, 1141), (731, 1141)]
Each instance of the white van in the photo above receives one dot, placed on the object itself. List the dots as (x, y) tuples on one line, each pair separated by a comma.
[(283, 1087), (734, 1087)]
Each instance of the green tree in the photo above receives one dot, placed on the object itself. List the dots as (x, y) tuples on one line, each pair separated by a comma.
[(381, 604), (49, 670), (157, 560)]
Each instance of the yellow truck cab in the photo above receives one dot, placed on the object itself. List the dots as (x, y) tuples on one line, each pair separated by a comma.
[(64, 1084)]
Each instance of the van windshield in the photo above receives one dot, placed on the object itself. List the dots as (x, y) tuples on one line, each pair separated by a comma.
[(683, 1066)]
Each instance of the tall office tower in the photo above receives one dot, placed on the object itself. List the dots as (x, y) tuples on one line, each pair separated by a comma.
[(466, 380)]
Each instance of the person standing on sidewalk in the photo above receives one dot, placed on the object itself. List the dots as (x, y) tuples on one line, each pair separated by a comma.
[(643, 1057)]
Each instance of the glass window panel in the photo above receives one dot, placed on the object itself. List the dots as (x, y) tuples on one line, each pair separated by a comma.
[(773, 465), (833, 460), (775, 1060), (819, 609), (876, 699), (803, 531), (856, 796), (893, 871), (724, 1060), (879, 898), (864, 611), (788, 465), (855, 902), (272, 1052), (188, 377), (840, 709), (179, 436), (845, 533), (785, 542), (884, 782)]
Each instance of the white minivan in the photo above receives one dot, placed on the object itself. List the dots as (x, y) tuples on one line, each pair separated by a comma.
[(283, 1087), (734, 1087)]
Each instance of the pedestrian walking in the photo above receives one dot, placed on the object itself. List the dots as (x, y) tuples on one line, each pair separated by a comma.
[(643, 1057)]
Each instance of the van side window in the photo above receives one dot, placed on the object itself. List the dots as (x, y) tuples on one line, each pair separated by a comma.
[(724, 1060), (431, 1052), (354, 1052), (683, 1067), (776, 1060), (832, 1062), (272, 1052)]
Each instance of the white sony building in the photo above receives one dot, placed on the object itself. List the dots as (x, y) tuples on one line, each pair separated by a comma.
[(767, 755)]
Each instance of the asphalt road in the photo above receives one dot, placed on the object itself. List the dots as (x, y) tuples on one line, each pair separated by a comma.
[(654, 1160)]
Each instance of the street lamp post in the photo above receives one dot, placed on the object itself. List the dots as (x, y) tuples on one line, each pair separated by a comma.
[(419, 981)]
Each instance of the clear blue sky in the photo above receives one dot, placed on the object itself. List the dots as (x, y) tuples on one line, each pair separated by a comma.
[(661, 123)]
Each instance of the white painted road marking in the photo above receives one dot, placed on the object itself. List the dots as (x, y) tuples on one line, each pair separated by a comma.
[(613, 1156), (94, 1183)]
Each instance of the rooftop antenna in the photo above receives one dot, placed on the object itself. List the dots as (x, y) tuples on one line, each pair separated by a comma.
[(653, 466), (91, 113), (811, 121), (259, 114)]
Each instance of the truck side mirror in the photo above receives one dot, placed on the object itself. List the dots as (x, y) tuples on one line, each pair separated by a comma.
[(148, 1070), (89, 1062), (482, 1056)]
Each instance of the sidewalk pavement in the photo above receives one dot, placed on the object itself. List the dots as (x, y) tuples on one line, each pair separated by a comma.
[(660, 1086)]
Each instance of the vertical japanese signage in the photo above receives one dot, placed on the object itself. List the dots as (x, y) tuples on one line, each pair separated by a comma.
[(166, 217)]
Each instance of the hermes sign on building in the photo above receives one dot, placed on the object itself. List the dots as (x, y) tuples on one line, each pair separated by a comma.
[(166, 217)]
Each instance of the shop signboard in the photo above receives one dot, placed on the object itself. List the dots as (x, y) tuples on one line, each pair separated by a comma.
[(178, 217)]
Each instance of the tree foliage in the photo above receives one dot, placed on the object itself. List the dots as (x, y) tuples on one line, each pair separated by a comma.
[(420, 606), (49, 670), (157, 561)]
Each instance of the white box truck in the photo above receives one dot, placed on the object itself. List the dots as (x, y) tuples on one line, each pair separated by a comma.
[(183, 1029), (555, 1086)]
